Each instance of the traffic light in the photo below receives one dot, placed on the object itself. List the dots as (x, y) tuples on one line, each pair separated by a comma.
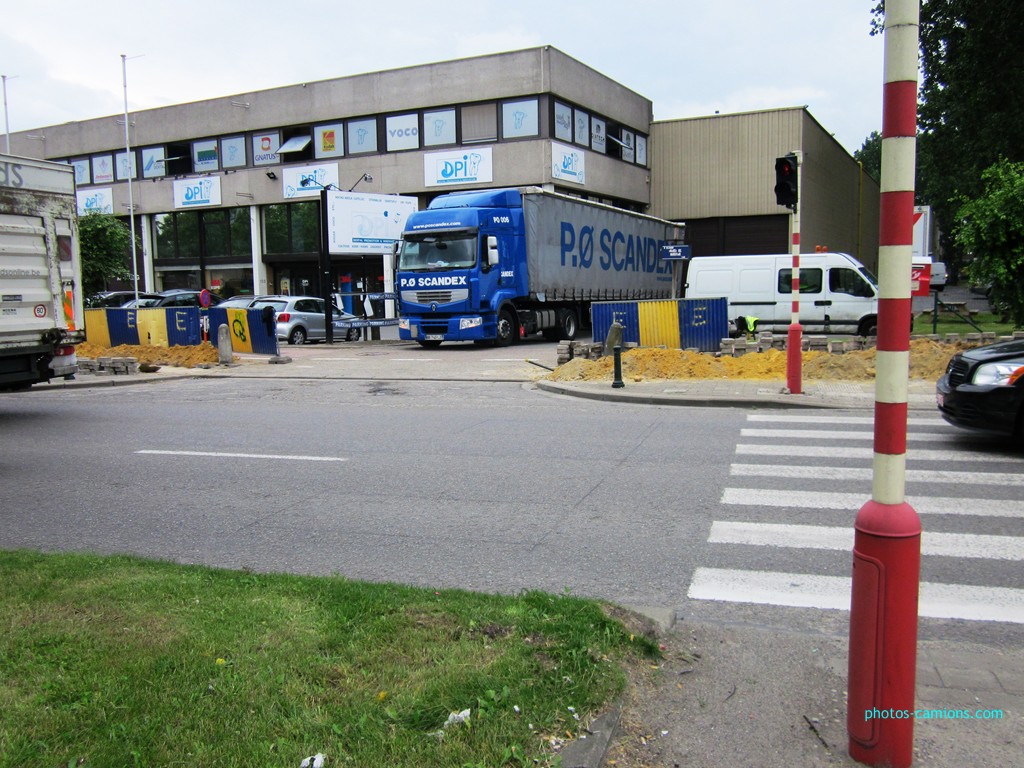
[(786, 181)]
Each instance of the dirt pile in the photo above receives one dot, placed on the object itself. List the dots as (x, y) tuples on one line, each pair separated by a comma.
[(179, 356), (928, 360)]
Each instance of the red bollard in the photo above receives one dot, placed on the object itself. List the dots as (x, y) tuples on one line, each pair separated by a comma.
[(794, 359), (883, 634)]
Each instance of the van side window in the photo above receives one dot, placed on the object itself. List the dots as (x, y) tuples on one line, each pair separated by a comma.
[(843, 280), (810, 280)]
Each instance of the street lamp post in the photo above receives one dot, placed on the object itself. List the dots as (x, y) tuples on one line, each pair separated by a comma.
[(128, 160)]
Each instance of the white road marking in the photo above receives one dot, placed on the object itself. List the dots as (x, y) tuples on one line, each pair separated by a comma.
[(938, 601), (212, 454), (841, 452), (795, 419), (841, 539), (865, 473), (924, 505), (819, 434)]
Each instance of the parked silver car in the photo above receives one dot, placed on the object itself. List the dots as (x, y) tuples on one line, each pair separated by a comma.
[(301, 319)]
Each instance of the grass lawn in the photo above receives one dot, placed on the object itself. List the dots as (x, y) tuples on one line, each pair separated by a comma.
[(119, 661), (948, 323)]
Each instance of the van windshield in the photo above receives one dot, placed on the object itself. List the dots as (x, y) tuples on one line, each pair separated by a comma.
[(435, 252), (869, 276)]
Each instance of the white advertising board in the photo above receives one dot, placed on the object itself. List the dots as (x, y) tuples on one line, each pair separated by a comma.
[(363, 223), (568, 163), (98, 200), (466, 166), (197, 193), (308, 180)]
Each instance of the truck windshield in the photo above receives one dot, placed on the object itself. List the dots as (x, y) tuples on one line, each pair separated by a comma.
[(438, 252)]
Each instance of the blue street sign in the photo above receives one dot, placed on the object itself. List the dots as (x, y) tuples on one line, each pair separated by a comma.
[(675, 251)]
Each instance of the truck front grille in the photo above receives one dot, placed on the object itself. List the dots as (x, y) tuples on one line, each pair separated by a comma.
[(439, 297)]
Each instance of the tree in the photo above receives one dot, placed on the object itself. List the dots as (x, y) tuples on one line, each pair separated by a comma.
[(969, 113), (870, 155), (105, 243), (991, 230)]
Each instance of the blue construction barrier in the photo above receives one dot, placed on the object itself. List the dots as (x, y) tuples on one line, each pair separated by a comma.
[(180, 326), (674, 323)]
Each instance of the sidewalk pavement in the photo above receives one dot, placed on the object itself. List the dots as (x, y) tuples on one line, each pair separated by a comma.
[(733, 694)]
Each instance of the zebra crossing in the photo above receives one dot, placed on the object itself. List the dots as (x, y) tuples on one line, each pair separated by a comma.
[(794, 489)]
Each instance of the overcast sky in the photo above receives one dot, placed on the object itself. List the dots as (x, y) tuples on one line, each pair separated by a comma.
[(62, 58)]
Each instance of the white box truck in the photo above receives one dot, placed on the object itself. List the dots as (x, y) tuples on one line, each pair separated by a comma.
[(41, 312), (838, 294)]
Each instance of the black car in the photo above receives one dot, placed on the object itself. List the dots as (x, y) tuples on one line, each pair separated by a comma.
[(115, 299), (176, 297), (983, 389)]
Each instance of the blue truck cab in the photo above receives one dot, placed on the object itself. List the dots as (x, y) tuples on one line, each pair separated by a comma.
[(452, 283)]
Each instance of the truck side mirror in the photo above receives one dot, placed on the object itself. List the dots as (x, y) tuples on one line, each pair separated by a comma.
[(492, 251)]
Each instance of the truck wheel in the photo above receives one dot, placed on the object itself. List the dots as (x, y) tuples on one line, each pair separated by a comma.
[(568, 325), (507, 332)]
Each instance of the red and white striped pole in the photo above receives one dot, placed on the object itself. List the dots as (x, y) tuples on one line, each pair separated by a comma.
[(794, 337), (887, 537)]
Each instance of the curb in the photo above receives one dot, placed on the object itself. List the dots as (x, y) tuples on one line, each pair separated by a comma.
[(588, 751)]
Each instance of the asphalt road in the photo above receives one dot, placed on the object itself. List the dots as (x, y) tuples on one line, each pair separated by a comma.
[(486, 486), (491, 486)]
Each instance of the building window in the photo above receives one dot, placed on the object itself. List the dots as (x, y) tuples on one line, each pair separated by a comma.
[(582, 123), (81, 170), (264, 148), (226, 234), (292, 228), (563, 122), (329, 140), (520, 119), (628, 150), (439, 128), (102, 169), (232, 152), (125, 164), (179, 159), (153, 162), (205, 156), (598, 135), (177, 236), (479, 123), (362, 136), (403, 132)]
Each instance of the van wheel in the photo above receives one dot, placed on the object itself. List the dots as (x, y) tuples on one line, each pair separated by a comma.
[(868, 327)]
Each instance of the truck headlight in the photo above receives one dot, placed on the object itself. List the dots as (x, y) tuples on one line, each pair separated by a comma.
[(997, 374), (470, 322)]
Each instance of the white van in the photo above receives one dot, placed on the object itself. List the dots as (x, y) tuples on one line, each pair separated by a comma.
[(837, 293)]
